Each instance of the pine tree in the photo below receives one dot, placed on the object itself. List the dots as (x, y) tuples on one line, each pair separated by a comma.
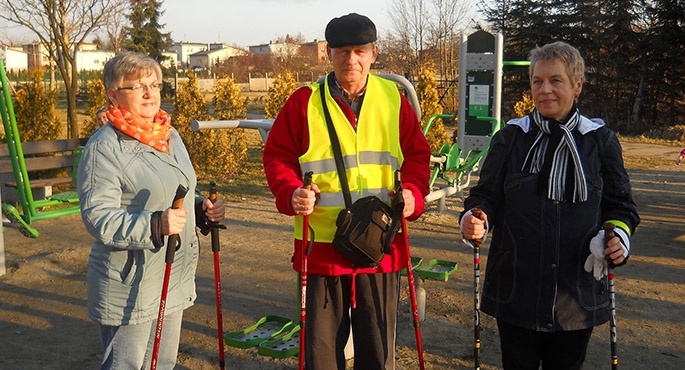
[(145, 35), (427, 93), (284, 85), (34, 110)]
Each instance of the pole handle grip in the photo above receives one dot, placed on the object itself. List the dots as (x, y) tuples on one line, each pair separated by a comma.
[(308, 180), (608, 235), (174, 240), (212, 192)]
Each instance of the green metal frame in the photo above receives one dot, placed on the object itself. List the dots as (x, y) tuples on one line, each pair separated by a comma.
[(33, 210), (450, 160)]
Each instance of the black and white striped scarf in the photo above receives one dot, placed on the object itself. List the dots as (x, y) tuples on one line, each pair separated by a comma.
[(559, 167)]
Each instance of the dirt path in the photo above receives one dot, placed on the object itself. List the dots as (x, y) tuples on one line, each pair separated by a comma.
[(43, 322)]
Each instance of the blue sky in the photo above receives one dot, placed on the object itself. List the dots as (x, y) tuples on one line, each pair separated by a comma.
[(250, 22)]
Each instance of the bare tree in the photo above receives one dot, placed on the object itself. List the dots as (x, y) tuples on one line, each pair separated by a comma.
[(62, 27), (427, 31), (115, 28), (410, 23)]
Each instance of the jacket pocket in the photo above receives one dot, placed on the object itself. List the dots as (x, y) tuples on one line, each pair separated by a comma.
[(500, 277), (130, 271), (593, 294)]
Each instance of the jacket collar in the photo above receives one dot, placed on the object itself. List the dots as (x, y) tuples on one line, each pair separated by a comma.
[(584, 126)]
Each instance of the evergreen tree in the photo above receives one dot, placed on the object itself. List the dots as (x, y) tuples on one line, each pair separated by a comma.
[(632, 49), (34, 110), (665, 59), (429, 101), (284, 85), (145, 33)]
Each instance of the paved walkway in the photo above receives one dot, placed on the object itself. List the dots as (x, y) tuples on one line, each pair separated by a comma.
[(651, 150)]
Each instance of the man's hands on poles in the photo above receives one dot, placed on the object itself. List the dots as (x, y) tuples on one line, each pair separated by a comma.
[(409, 201), (215, 212), (613, 251), (303, 200)]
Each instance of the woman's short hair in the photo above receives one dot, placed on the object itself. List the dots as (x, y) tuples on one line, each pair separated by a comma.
[(559, 50), (129, 65)]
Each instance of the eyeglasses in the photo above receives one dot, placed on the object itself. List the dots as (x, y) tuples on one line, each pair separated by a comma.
[(153, 87)]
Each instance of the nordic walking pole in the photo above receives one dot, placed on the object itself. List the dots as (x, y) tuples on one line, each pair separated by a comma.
[(216, 247), (173, 243), (477, 212), (399, 199), (303, 275), (608, 235)]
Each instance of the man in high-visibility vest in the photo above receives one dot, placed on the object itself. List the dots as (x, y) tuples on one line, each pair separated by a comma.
[(379, 133)]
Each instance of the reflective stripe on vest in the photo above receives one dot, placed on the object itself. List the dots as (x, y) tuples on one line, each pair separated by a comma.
[(371, 154)]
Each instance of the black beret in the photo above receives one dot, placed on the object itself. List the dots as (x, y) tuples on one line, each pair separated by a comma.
[(351, 29)]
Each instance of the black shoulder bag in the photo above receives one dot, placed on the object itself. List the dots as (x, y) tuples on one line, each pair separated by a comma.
[(367, 227)]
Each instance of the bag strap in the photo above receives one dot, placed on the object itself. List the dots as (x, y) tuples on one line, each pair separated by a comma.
[(335, 143)]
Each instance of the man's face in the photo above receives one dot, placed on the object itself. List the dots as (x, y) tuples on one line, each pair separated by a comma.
[(351, 64)]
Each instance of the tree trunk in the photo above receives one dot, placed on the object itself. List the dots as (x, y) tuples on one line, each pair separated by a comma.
[(71, 86), (634, 122)]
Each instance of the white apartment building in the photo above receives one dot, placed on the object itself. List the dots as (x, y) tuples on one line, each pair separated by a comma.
[(13, 58), (217, 53), (88, 56), (184, 49)]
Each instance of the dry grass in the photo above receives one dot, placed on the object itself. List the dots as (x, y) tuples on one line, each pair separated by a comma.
[(671, 136)]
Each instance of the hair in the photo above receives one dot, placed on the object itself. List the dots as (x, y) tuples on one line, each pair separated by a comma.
[(129, 65), (100, 110), (559, 50)]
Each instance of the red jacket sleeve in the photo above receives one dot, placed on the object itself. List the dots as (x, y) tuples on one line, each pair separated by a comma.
[(417, 152), (288, 140)]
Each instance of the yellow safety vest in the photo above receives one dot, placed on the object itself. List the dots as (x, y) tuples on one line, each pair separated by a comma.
[(371, 154)]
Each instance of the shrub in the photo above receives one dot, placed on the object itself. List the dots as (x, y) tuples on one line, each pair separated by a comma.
[(524, 106), (216, 153), (34, 109), (427, 93), (97, 98), (284, 85)]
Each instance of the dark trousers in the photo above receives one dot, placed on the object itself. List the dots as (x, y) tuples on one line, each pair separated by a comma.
[(525, 349), (373, 321)]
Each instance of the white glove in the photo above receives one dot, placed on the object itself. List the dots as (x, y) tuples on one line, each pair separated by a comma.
[(596, 261)]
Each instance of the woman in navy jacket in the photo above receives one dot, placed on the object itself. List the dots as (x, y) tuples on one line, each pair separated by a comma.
[(549, 182)]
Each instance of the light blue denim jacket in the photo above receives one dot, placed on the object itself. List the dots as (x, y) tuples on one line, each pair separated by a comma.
[(121, 182)]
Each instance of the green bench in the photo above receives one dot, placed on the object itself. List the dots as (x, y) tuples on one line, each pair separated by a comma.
[(23, 160)]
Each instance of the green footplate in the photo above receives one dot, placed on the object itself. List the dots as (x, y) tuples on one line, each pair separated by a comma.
[(268, 327), (415, 262), (282, 346), (437, 270), (66, 196)]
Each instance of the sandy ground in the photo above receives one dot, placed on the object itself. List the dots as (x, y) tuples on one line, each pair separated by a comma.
[(43, 321)]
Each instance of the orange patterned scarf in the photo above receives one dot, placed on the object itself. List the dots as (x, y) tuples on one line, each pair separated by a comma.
[(155, 134)]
